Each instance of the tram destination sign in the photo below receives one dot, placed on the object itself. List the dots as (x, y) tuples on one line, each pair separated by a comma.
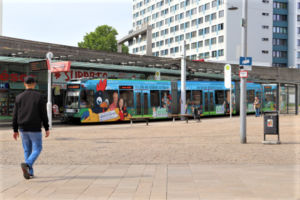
[(39, 66)]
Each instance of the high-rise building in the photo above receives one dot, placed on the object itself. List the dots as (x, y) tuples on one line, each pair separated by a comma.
[(213, 32), (1, 16), (294, 33)]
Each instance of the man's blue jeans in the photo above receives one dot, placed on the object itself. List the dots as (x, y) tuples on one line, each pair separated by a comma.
[(32, 145), (257, 112)]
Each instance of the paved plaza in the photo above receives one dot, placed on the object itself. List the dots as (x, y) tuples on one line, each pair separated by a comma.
[(164, 160)]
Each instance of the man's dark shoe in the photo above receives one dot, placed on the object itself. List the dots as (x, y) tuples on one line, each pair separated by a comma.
[(31, 176), (25, 167)]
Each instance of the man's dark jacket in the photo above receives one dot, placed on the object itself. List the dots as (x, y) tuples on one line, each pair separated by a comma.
[(30, 111)]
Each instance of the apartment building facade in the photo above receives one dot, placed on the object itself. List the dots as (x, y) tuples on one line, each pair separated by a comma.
[(212, 32)]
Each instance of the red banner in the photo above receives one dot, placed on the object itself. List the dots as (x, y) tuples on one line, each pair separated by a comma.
[(60, 67)]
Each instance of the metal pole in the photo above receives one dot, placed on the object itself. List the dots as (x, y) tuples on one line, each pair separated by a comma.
[(49, 104), (243, 125), (230, 102), (183, 79)]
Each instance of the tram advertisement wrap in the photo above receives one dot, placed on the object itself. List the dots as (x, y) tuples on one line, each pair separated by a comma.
[(103, 111)]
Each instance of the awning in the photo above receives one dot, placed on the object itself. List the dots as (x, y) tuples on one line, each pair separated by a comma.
[(20, 86)]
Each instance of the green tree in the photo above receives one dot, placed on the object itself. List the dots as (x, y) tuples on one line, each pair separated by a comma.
[(103, 38)]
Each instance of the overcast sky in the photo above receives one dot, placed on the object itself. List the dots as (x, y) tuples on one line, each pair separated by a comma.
[(64, 21)]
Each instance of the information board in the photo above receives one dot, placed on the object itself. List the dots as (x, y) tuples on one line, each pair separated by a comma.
[(39, 65)]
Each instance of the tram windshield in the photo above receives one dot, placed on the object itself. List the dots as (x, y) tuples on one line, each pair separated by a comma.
[(72, 99)]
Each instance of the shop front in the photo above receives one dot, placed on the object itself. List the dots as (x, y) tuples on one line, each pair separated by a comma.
[(12, 84)]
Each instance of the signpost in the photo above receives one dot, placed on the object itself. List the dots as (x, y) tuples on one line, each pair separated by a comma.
[(227, 83), (183, 80), (49, 55), (157, 75)]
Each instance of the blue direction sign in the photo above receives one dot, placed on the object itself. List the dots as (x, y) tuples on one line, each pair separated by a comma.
[(3, 85), (246, 61)]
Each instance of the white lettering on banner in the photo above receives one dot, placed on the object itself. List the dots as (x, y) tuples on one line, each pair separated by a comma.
[(107, 116), (61, 77)]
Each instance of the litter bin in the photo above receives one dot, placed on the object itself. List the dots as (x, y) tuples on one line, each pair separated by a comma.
[(197, 113), (271, 123)]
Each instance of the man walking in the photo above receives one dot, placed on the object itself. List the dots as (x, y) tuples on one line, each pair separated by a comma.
[(257, 106), (29, 112)]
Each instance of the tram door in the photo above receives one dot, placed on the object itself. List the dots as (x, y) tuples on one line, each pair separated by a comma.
[(142, 104), (209, 101)]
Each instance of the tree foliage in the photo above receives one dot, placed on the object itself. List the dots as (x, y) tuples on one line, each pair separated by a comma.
[(103, 38)]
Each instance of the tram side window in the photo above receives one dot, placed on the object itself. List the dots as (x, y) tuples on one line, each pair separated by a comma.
[(251, 96), (165, 98), (154, 98), (219, 96), (127, 96), (87, 99), (188, 97), (197, 97)]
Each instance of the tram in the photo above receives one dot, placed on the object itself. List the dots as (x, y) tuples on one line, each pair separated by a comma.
[(103, 100)]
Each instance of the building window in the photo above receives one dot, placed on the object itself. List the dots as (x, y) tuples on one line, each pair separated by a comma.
[(207, 6), (166, 52), (213, 41), (221, 27), (279, 17), (207, 18), (265, 27), (181, 37), (194, 45), (214, 4), (194, 11), (298, 5), (298, 30), (182, 4), (206, 55), (176, 38), (157, 44), (200, 44), (265, 1), (200, 9), (213, 16), (153, 45), (187, 47), (298, 18), (182, 26), (221, 39), (279, 54), (298, 42), (214, 54), (187, 36), (194, 22), (166, 41), (200, 32), (265, 39), (221, 13), (279, 29), (221, 52), (214, 28), (298, 54), (265, 14), (187, 13), (279, 42), (206, 42), (187, 24), (280, 5), (193, 34), (206, 30), (200, 20), (279, 65), (265, 52)]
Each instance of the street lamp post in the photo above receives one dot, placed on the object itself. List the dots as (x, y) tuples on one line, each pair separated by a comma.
[(243, 88)]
